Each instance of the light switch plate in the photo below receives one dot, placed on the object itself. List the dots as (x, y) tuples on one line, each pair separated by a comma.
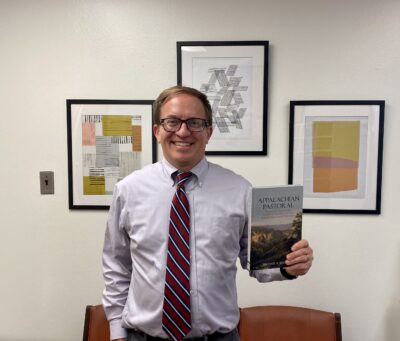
[(46, 182)]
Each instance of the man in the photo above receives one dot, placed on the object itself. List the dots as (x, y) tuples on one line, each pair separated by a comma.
[(211, 201)]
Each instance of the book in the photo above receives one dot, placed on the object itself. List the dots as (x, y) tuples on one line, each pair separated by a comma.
[(275, 225)]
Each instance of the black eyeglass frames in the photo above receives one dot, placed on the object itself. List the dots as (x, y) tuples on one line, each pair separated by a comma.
[(173, 124)]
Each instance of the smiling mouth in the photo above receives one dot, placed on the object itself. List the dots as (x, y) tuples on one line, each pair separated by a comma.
[(182, 144)]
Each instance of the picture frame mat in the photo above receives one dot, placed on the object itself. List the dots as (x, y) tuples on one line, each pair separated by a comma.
[(372, 113), (254, 139), (96, 107)]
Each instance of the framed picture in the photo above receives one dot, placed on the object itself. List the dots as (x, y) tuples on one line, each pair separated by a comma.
[(234, 76), (335, 152), (107, 140)]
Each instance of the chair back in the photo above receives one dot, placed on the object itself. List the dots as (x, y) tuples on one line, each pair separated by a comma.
[(96, 327), (263, 323), (286, 323)]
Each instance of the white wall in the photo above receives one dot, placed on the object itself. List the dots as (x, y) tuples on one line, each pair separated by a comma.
[(50, 265)]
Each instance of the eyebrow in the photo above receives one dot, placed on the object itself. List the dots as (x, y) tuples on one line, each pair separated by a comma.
[(189, 118)]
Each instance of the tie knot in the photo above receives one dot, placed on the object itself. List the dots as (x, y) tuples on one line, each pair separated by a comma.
[(182, 177)]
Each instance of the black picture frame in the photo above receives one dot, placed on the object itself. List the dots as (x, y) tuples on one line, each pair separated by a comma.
[(336, 153), (107, 139), (234, 76)]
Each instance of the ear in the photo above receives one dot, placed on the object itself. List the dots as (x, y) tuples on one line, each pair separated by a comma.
[(156, 131)]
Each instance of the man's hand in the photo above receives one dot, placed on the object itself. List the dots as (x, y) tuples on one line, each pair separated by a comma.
[(299, 261)]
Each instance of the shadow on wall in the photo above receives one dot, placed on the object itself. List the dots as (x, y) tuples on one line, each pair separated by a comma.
[(392, 318)]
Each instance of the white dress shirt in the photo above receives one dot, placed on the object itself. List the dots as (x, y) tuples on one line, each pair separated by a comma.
[(135, 247)]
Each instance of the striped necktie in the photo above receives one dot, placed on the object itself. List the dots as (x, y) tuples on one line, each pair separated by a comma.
[(176, 320)]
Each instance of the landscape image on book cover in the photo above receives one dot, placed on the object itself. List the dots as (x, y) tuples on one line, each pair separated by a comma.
[(276, 223)]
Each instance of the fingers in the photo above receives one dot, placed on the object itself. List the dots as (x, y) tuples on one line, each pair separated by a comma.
[(299, 261), (300, 256), (300, 245)]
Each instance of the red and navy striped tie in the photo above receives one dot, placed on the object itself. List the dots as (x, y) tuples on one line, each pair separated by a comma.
[(176, 320)]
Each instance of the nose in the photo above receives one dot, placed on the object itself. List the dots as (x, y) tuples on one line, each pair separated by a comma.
[(183, 130)]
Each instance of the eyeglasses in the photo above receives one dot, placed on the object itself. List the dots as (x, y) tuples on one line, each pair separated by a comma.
[(174, 124)]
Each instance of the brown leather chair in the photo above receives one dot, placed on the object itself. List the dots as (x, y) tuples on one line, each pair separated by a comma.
[(96, 326), (285, 323), (264, 323)]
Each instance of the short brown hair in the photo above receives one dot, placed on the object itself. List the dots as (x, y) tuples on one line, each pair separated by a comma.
[(171, 92)]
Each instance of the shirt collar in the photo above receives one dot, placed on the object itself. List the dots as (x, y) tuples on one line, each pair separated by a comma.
[(200, 171)]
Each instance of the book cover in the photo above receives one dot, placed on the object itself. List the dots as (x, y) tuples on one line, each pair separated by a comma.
[(275, 225)]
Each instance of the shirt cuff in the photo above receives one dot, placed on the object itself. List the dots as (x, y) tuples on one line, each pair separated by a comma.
[(117, 331), (286, 274)]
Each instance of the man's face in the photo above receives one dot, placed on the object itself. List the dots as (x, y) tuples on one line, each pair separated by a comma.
[(183, 149)]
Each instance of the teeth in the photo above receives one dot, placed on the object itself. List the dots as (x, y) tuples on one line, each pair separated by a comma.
[(182, 143)]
